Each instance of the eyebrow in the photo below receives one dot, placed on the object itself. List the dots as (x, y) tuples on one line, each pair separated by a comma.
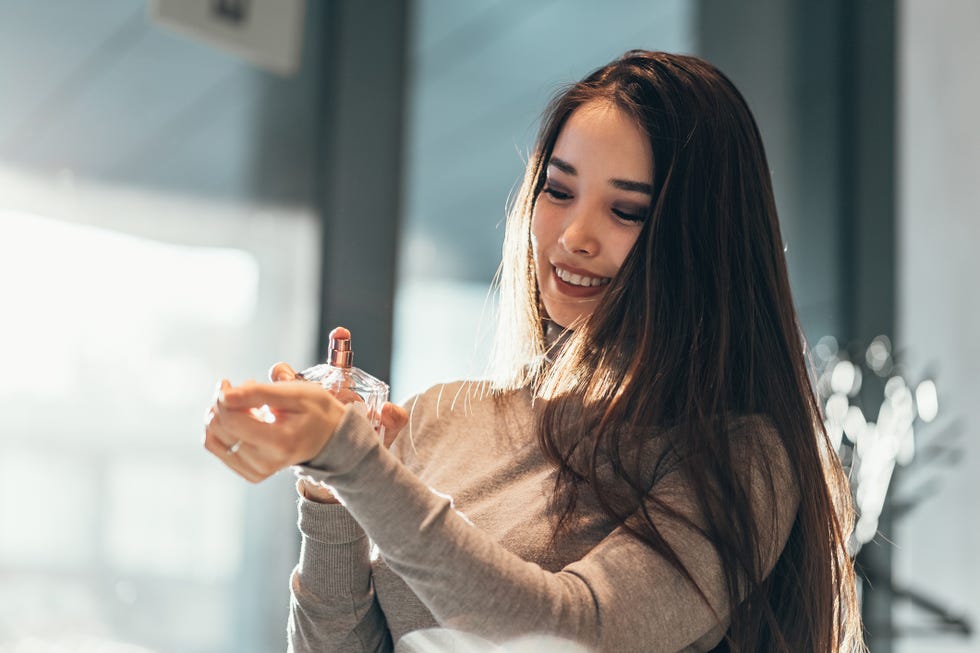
[(622, 184)]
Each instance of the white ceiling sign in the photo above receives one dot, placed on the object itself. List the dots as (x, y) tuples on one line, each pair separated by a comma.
[(266, 32)]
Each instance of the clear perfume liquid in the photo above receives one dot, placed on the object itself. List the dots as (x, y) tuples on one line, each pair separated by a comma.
[(366, 394)]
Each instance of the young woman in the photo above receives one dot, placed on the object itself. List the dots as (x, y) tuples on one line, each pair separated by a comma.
[(646, 470)]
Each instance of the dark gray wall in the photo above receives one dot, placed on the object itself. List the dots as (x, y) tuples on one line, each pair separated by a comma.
[(785, 58), (359, 172), (820, 79)]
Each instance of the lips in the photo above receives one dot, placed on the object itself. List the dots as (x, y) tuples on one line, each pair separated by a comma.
[(579, 279), (577, 283)]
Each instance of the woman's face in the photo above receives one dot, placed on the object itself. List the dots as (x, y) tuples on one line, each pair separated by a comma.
[(598, 192)]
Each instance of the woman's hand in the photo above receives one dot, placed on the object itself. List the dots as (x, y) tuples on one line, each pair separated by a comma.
[(254, 456), (393, 417), (257, 429), (305, 487)]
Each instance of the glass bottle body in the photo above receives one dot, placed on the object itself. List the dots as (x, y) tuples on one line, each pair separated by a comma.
[(351, 385)]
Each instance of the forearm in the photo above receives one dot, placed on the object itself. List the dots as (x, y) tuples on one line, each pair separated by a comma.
[(332, 602), (463, 576)]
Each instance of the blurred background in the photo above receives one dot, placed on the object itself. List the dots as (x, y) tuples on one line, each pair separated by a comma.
[(193, 190)]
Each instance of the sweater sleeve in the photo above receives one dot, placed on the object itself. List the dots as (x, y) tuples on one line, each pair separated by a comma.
[(621, 596), (332, 605)]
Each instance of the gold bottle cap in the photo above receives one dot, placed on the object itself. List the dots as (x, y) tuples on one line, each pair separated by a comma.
[(340, 352)]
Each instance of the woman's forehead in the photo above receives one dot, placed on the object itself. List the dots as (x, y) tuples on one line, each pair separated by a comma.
[(600, 138)]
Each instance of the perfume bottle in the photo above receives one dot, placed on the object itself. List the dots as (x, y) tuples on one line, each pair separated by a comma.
[(350, 384)]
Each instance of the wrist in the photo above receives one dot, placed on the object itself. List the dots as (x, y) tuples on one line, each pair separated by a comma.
[(315, 492), (332, 414)]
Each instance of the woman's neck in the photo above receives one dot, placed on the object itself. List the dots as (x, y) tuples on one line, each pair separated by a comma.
[(555, 337)]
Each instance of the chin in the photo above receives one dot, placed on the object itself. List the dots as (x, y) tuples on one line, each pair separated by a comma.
[(566, 318)]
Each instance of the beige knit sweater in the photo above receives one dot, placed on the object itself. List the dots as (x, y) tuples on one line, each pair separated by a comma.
[(459, 511)]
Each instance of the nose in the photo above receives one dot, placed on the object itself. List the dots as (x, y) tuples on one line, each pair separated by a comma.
[(580, 232)]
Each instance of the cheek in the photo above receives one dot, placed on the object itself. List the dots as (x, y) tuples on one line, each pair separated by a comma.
[(545, 223), (539, 231)]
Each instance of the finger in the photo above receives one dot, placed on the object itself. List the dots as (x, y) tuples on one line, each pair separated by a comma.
[(340, 333), (217, 433), (393, 417), (219, 389), (221, 448), (278, 396), (274, 444), (254, 465), (281, 372), (224, 443), (233, 425), (346, 395)]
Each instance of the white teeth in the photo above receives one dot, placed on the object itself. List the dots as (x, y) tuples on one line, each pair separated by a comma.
[(578, 279)]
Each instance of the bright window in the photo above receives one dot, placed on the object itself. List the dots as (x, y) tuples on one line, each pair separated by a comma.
[(115, 524)]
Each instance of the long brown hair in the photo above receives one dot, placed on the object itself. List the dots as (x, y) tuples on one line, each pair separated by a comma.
[(698, 328)]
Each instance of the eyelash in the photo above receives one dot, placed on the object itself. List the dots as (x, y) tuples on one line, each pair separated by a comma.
[(556, 194), (562, 196), (629, 217)]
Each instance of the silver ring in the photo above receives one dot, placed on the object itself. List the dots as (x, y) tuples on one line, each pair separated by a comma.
[(233, 449)]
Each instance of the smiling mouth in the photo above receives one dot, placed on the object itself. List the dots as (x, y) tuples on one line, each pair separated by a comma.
[(580, 280)]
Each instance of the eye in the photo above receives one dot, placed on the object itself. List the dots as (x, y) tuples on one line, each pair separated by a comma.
[(629, 217), (556, 194)]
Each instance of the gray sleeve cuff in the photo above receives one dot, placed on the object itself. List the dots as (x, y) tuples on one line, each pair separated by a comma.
[(353, 439), (329, 523)]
